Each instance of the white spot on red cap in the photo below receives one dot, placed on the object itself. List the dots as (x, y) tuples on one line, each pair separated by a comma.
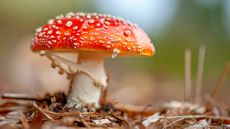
[(70, 14), (59, 17), (84, 27), (67, 33), (50, 32), (58, 32), (45, 29), (49, 42), (50, 21), (59, 21), (40, 34), (38, 29), (75, 43), (98, 25), (75, 27), (107, 23), (69, 23)]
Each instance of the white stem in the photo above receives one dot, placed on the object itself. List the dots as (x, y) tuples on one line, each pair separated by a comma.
[(84, 90)]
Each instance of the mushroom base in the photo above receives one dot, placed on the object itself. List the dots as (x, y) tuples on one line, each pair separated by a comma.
[(87, 84)]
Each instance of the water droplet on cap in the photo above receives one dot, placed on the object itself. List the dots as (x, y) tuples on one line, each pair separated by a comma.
[(115, 53), (127, 33), (42, 52)]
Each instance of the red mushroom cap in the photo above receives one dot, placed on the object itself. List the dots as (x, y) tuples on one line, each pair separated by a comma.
[(92, 32)]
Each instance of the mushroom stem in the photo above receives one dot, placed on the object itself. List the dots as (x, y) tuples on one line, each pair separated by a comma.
[(86, 86)]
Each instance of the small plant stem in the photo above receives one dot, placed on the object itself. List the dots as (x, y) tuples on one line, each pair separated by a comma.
[(188, 82), (220, 81), (198, 88)]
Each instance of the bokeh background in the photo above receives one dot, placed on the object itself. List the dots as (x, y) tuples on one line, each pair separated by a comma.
[(173, 25)]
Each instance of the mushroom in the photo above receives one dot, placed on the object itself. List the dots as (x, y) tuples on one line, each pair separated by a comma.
[(92, 37)]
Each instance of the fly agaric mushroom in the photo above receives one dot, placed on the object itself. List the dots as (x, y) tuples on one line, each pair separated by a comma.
[(93, 37)]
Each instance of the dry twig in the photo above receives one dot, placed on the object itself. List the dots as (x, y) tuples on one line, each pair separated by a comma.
[(132, 110), (42, 111), (197, 117), (19, 96), (64, 114), (85, 123), (24, 122), (214, 103), (172, 123)]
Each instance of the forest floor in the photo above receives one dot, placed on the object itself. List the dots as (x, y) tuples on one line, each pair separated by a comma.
[(50, 113)]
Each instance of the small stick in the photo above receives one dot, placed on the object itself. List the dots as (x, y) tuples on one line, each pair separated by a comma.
[(221, 79), (132, 109), (19, 96), (210, 100), (179, 118), (85, 123), (9, 109), (64, 114), (199, 79), (43, 112), (24, 122), (197, 117), (174, 122), (188, 82)]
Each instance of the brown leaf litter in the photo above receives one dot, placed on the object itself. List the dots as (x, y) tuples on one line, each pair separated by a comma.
[(50, 113)]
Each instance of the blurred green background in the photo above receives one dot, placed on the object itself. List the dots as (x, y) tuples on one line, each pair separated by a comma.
[(173, 25)]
